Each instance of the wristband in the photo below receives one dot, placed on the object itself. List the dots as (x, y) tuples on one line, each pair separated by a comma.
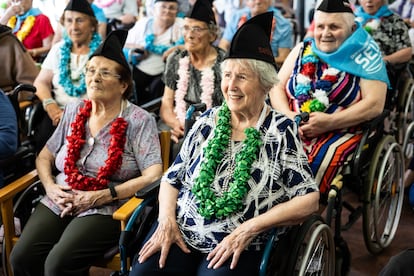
[(113, 191), (47, 101)]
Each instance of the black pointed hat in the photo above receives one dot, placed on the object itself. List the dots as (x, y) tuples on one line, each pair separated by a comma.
[(203, 11), (111, 47), (335, 6), (82, 6), (252, 39)]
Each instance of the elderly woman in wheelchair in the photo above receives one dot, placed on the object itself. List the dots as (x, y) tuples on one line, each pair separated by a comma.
[(332, 85), (104, 150), (240, 173)]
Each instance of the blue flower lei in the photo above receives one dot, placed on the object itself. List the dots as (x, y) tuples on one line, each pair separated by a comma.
[(159, 49), (64, 67)]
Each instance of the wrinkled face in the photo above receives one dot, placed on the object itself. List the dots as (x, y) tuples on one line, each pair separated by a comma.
[(78, 26), (196, 34), (241, 88), (165, 10), (331, 30), (258, 6), (371, 6), (103, 79), (25, 5)]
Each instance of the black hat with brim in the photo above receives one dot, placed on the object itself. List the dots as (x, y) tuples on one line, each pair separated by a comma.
[(82, 6), (203, 11), (111, 47), (252, 39), (335, 6)]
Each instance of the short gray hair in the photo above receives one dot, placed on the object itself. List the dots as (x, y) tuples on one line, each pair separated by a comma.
[(264, 70)]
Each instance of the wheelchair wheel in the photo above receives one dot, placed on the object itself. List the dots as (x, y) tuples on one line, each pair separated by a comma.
[(314, 250), (383, 195), (407, 146), (23, 208)]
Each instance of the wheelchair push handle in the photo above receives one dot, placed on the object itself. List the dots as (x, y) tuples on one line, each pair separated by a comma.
[(189, 116), (301, 117), (24, 87)]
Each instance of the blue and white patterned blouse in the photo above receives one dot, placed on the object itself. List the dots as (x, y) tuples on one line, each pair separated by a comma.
[(280, 173)]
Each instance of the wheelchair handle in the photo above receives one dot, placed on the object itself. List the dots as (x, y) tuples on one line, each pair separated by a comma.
[(304, 116), (24, 87), (194, 108)]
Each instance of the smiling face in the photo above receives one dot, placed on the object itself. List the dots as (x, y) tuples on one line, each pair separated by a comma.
[(103, 83), (332, 29), (242, 88), (165, 11)]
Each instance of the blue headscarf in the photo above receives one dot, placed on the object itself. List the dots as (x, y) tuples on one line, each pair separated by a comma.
[(359, 55)]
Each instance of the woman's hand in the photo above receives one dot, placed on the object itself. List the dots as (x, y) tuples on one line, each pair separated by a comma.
[(61, 196), (232, 245), (318, 124), (54, 112), (177, 132), (166, 234), (83, 201)]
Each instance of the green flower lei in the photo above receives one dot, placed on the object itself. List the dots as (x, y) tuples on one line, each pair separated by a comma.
[(232, 200)]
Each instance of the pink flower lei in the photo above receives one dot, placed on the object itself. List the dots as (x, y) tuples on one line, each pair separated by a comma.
[(206, 84)]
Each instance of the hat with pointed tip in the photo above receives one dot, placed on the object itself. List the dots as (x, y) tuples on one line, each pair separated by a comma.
[(111, 47), (82, 6), (252, 39), (335, 6), (203, 11)]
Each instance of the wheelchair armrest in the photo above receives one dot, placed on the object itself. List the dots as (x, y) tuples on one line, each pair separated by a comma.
[(125, 211), (372, 124), (153, 105)]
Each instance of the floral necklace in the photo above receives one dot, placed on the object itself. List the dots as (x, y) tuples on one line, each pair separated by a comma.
[(76, 141), (159, 49), (310, 100), (26, 27), (65, 78), (372, 26), (232, 200), (206, 84)]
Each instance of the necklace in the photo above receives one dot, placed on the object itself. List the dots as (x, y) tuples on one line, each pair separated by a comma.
[(231, 200), (26, 27), (206, 84), (315, 98), (160, 48), (65, 79), (76, 140)]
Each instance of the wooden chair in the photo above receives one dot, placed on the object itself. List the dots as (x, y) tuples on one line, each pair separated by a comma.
[(9, 193)]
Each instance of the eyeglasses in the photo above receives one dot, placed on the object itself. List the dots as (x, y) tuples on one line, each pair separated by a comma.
[(104, 74), (197, 30)]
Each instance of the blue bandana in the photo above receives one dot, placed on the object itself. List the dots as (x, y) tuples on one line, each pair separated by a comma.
[(359, 55), (22, 18), (364, 17)]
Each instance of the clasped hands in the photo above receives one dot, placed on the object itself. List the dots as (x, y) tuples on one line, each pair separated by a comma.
[(71, 202)]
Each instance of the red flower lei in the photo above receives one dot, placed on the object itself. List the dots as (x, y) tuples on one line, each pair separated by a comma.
[(76, 141)]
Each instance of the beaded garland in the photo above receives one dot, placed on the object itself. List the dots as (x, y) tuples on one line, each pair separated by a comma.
[(76, 140), (65, 79), (159, 49), (232, 200), (26, 28), (313, 99)]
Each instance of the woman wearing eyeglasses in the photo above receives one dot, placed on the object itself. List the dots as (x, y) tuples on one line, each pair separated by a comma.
[(61, 79), (157, 36), (104, 149), (192, 75)]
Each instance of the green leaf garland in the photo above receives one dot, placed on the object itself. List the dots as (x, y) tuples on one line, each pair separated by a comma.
[(232, 200)]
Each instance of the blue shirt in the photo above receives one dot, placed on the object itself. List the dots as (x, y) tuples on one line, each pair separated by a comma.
[(281, 34)]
